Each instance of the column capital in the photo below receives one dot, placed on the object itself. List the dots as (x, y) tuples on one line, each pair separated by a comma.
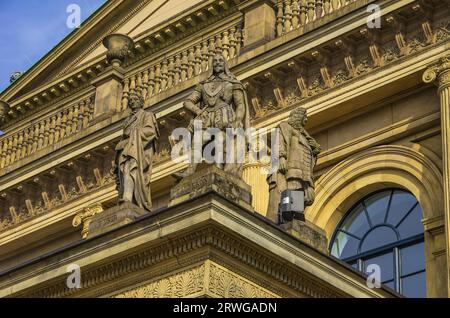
[(438, 73)]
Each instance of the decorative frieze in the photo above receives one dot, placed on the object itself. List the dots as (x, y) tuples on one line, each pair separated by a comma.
[(343, 59), (62, 184), (183, 284), (207, 279)]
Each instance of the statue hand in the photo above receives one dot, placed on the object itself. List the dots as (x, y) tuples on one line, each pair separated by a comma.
[(237, 124), (283, 165), (197, 111)]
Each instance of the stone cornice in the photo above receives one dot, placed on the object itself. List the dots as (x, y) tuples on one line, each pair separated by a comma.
[(212, 222)]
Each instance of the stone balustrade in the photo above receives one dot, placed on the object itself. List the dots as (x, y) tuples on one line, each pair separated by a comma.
[(191, 62), (46, 132), (293, 14)]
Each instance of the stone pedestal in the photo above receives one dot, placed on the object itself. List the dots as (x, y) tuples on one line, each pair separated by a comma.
[(308, 233), (260, 21), (113, 218), (212, 179), (108, 95)]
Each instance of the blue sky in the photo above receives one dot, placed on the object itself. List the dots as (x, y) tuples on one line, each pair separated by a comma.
[(29, 29)]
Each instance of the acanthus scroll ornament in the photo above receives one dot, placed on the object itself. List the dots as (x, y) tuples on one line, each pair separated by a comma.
[(85, 218), (439, 72)]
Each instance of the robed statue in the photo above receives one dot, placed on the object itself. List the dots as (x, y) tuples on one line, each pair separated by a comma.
[(134, 155), (219, 102), (297, 157)]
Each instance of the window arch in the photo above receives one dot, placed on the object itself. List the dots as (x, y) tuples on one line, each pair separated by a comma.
[(385, 228)]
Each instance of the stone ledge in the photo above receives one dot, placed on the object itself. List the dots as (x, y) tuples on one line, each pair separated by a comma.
[(175, 239), (113, 218), (212, 179), (308, 233)]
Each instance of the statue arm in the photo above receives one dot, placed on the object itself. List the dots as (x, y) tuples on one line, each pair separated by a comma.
[(125, 138), (283, 145), (193, 99), (283, 141), (239, 102), (149, 131), (315, 147)]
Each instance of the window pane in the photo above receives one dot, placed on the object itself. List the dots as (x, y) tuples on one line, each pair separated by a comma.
[(386, 263), (344, 246), (414, 286), (378, 237), (368, 234), (354, 265), (412, 259), (412, 225), (401, 203), (377, 207), (357, 222), (390, 284)]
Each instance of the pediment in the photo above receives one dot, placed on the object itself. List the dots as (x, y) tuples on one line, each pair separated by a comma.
[(84, 46), (155, 13)]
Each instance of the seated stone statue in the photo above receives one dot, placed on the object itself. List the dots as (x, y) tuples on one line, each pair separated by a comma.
[(134, 155), (298, 154), (218, 102)]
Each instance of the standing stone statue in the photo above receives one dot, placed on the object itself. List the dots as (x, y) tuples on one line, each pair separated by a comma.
[(298, 155), (219, 102), (134, 155)]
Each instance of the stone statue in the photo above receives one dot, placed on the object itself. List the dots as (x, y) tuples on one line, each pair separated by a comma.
[(134, 155), (298, 155), (219, 102)]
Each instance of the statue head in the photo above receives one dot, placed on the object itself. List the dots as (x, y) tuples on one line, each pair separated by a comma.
[(220, 67), (298, 118), (218, 64), (135, 101)]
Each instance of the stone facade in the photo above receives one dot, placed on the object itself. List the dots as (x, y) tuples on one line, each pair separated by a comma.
[(371, 104)]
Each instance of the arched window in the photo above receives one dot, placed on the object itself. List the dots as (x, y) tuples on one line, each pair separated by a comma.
[(385, 229)]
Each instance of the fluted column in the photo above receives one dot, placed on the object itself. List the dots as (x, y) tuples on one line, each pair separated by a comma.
[(255, 176), (440, 75)]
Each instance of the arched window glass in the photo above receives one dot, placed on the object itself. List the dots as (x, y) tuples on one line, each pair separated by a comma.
[(385, 229)]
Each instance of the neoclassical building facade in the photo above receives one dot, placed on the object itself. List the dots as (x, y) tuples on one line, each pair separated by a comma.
[(374, 77)]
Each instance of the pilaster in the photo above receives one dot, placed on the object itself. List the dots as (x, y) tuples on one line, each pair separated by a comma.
[(440, 75)]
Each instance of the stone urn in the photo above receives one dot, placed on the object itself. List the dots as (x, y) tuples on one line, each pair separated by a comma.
[(4, 109), (119, 46)]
